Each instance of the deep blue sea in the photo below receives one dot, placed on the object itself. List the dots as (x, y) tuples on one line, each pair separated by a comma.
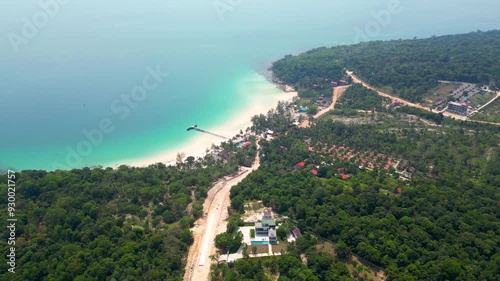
[(140, 72)]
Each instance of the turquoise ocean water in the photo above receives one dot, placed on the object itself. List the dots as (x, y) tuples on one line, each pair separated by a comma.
[(71, 74)]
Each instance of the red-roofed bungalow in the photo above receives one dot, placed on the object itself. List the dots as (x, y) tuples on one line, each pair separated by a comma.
[(345, 176), (296, 232), (314, 172)]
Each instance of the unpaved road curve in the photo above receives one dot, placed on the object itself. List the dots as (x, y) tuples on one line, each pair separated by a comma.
[(207, 227), (356, 79), (337, 93)]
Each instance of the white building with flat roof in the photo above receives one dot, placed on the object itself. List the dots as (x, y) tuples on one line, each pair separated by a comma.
[(458, 108)]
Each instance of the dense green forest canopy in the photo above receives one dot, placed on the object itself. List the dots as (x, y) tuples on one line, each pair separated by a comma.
[(106, 224), (359, 97), (407, 68), (133, 223), (443, 225), (319, 266)]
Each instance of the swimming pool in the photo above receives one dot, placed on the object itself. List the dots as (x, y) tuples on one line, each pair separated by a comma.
[(260, 242)]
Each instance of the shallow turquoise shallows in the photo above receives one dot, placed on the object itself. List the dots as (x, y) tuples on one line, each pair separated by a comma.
[(91, 76)]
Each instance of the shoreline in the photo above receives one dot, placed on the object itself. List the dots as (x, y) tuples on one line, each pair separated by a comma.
[(261, 103)]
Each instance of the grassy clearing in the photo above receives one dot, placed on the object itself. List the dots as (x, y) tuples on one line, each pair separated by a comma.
[(257, 249), (440, 92), (353, 264), (254, 205), (491, 113), (481, 99), (280, 247)]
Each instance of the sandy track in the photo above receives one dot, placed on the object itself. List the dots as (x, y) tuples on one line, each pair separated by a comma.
[(355, 79), (304, 124), (488, 103), (213, 223), (337, 93)]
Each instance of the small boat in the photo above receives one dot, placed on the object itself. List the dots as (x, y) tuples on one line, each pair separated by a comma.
[(192, 127)]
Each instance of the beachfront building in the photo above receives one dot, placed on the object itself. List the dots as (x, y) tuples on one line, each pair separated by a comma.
[(458, 108)]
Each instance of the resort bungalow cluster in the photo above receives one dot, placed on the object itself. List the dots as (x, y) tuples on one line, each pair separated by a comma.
[(339, 83), (466, 91), (243, 144), (333, 84), (460, 97), (323, 101), (269, 134), (220, 155)]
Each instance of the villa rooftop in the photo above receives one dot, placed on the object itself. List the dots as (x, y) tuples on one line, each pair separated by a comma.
[(269, 222)]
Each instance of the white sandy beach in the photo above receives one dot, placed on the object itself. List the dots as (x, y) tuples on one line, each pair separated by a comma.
[(259, 103)]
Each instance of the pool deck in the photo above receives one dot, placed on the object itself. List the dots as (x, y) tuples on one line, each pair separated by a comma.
[(247, 240)]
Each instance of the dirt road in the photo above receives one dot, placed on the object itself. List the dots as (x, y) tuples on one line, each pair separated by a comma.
[(213, 223), (337, 93), (488, 103), (355, 79)]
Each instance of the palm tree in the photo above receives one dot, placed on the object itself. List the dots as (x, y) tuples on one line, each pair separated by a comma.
[(214, 257), (254, 250)]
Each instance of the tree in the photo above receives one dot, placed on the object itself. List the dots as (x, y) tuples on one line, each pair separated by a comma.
[(229, 241), (343, 251), (190, 161), (180, 157), (312, 110), (79, 215), (282, 233), (186, 236)]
